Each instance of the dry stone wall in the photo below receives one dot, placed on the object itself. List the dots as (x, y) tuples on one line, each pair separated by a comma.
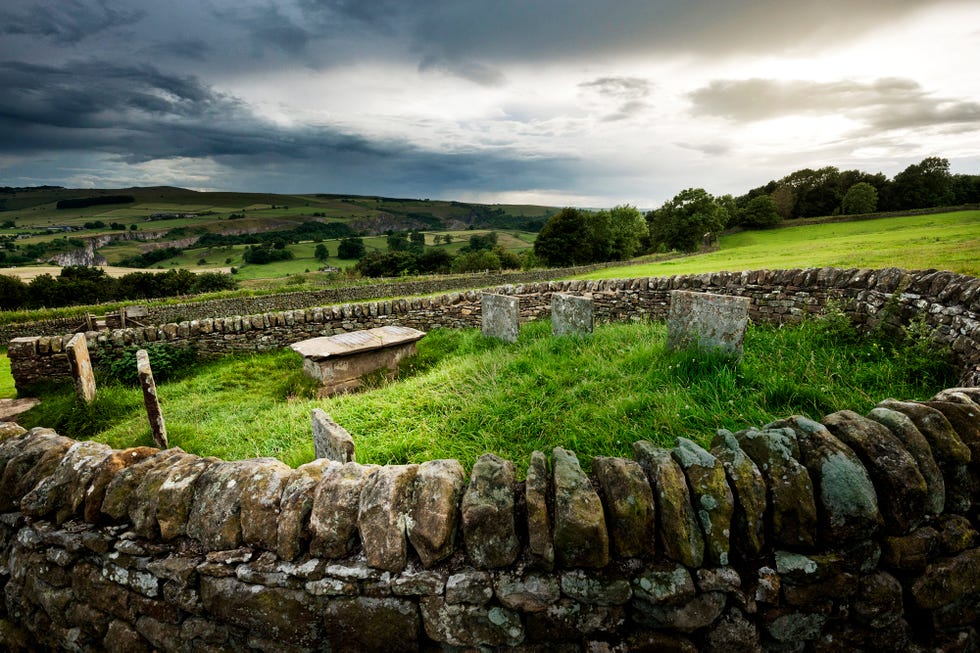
[(947, 302), (853, 533)]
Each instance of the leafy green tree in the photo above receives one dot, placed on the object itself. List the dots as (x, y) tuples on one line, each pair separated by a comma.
[(966, 189), (13, 293), (320, 253), (760, 212), (682, 222), (476, 261), (627, 229), (862, 197), (387, 264), (565, 239), (435, 260), (924, 185), (351, 248)]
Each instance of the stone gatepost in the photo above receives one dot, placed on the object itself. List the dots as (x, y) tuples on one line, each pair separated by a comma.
[(707, 321), (501, 317), (571, 315), (150, 399), (81, 368), (330, 439)]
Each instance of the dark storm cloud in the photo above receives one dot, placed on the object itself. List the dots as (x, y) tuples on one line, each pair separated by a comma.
[(137, 114), (886, 104), (66, 21), (191, 49)]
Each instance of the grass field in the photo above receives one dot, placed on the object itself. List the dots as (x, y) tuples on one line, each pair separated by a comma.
[(7, 389), (948, 241), (465, 395)]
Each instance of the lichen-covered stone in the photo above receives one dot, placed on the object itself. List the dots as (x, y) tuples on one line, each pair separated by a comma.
[(336, 501), (372, 624), (629, 504), (261, 494), (749, 490), (965, 420), (461, 624), (700, 612), (956, 534), (848, 502), (793, 625), (489, 529), (878, 602), (794, 510), (679, 536), (475, 587), (38, 455), (581, 538), (10, 430), (175, 496), (669, 585), (143, 512), (949, 581), (711, 497), (949, 451), (733, 633), (434, 510), (912, 551), (526, 592), (295, 507), (287, 615), (541, 547), (915, 443), (382, 516), (62, 492), (902, 491), (215, 516), (122, 488), (594, 588), (569, 621), (105, 473)]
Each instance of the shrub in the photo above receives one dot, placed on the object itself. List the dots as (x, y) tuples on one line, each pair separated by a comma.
[(167, 361)]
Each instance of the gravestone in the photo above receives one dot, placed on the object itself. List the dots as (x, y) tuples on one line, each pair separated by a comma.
[(501, 317), (81, 367), (150, 399), (340, 362), (706, 321), (571, 315), (331, 440)]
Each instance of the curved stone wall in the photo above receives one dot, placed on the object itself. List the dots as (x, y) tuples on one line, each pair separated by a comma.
[(947, 302), (853, 533)]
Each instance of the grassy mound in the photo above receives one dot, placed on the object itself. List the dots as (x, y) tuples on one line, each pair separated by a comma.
[(464, 395)]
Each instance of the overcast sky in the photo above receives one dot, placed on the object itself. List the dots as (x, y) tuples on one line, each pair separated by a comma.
[(580, 102)]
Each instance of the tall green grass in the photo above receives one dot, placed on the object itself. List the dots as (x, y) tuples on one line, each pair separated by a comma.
[(465, 395), (947, 241), (7, 388)]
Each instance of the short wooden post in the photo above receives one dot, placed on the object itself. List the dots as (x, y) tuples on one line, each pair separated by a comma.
[(81, 367), (150, 399)]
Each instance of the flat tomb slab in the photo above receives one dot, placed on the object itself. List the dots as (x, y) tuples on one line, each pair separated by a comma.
[(339, 362)]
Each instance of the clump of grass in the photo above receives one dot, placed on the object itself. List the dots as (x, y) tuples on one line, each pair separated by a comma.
[(465, 395)]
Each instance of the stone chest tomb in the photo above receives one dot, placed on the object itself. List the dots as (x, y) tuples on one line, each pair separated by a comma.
[(340, 362)]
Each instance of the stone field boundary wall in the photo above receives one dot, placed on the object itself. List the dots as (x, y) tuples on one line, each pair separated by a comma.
[(853, 533), (947, 302), (300, 299)]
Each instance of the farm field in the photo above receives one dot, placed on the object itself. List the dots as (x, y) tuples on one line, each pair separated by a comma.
[(464, 395), (948, 241)]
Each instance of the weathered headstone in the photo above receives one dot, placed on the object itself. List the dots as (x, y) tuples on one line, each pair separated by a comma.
[(501, 317), (331, 440), (707, 321), (571, 315), (81, 367), (340, 362), (150, 399)]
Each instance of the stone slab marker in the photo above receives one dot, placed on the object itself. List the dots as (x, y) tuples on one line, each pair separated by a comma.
[(81, 367), (707, 321), (331, 440), (571, 315), (150, 399), (501, 317)]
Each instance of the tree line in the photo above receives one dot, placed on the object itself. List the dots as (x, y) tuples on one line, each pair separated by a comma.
[(406, 254), (693, 217), (77, 285)]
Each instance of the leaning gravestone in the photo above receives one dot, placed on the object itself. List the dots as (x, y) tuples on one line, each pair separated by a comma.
[(81, 367), (570, 315), (330, 439), (150, 399), (707, 321), (501, 316)]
